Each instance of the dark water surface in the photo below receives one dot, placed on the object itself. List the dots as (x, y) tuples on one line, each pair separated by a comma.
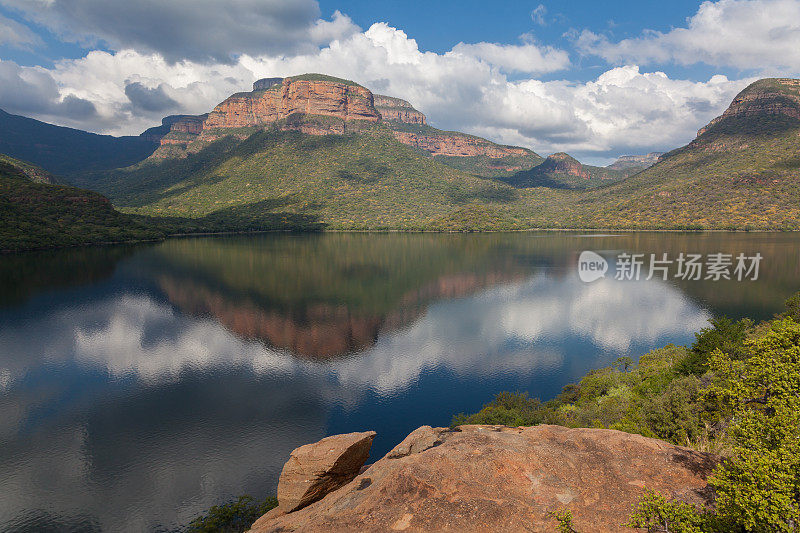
[(141, 385)]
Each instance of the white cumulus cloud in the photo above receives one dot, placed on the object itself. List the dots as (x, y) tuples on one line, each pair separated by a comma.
[(469, 88), (761, 35)]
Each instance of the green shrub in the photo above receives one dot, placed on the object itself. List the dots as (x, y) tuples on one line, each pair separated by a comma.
[(508, 409), (232, 517), (564, 520), (759, 487), (654, 514), (725, 335)]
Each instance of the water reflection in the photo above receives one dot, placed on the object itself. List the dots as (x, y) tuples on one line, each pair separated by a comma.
[(167, 378)]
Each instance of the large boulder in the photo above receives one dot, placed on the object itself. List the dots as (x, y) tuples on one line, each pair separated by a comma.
[(494, 478), (314, 470)]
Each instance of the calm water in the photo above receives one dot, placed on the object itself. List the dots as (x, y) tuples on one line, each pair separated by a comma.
[(141, 385)]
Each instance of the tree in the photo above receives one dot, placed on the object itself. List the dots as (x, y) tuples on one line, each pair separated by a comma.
[(759, 487)]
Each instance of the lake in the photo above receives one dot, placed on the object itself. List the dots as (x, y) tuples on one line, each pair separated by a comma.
[(140, 385)]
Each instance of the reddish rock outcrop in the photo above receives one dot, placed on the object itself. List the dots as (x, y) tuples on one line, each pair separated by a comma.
[(318, 105), (397, 110), (314, 470), (189, 124), (456, 144), (339, 99), (494, 478)]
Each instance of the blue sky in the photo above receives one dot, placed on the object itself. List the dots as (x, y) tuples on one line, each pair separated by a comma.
[(596, 79)]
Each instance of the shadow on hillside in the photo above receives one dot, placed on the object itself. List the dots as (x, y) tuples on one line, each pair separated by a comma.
[(526, 180), (263, 215), (766, 124), (258, 216), (489, 193)]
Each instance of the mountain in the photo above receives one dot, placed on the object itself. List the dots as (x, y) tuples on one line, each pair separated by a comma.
[(741, 171), (317, 147), (635, 162), (313, 151), (562, 171), (37, 214), (316, 152), (322, 105), (67, 151)]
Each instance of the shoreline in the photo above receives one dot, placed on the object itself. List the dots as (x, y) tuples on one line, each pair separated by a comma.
[(6, 252)]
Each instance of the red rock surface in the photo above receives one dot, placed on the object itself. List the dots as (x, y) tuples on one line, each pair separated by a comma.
[(314, 470), (327, 98), (456, 145), (494, 478), (398, 110), (335, 107)]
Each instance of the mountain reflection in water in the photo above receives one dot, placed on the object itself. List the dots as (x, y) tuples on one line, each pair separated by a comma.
[(141, 385)]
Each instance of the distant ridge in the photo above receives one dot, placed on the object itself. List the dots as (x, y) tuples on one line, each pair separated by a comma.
[(68, 151), (562, 171), (635, 162)]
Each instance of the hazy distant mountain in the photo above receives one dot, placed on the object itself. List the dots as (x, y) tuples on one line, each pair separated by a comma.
[(67, 151), (635, 162)]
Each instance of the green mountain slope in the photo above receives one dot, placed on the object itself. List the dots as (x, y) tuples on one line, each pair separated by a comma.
[(67, 151), (41, 215), (742, 171), (33, 172), (354, 181)]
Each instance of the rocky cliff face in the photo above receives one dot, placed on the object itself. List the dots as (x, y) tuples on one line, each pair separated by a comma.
[(266, 83), (189, 124), (488, 478), (766, 97), (456, 144), (397, 110), (316, 104), (338, 99)]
